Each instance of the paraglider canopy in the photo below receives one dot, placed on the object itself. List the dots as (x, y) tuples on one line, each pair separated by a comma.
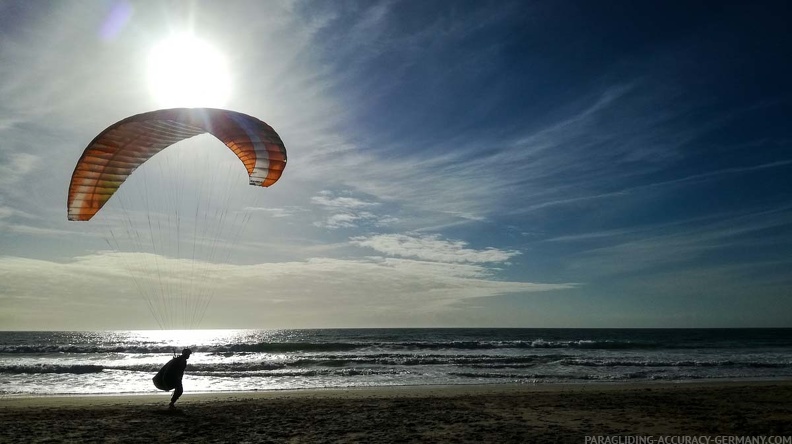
[(121, 148)]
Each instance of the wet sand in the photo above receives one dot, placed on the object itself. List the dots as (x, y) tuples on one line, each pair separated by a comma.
[(486, 414)]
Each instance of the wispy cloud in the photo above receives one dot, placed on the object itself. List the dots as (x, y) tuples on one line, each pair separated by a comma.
[(677, 182), (432, 248), (354, 292), (348, 212), (557, 161), (326, 199), (722, 240), (278, 213), (14, 166), (7, 212)]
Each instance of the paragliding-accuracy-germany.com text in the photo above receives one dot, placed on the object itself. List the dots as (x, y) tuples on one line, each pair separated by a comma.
[(686, 439)]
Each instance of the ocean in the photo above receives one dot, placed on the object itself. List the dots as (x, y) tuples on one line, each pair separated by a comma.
[(107, 362)]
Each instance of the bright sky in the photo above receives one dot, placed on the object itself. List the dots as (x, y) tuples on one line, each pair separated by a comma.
[(451, 163)]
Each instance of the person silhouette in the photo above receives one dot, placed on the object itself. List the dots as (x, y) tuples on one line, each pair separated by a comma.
[(170, 376), (176, 374)]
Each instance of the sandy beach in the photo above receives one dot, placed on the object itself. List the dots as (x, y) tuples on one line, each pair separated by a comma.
[(491, 413)]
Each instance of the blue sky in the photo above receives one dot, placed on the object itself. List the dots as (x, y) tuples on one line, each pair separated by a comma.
[(451, 163)]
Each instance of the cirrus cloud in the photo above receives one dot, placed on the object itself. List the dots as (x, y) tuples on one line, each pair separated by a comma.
[(432, 248)]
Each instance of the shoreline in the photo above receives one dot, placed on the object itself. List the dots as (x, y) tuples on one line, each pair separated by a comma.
[(459, 413), (395, 389)]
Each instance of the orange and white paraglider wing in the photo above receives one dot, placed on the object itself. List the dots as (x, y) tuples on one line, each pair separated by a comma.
[(256, 144), (121, 148)]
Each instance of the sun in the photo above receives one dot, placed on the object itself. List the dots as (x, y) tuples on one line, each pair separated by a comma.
[(185, 71)]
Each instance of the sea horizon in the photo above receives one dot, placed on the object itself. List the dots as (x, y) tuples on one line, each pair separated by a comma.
[(393, 328)]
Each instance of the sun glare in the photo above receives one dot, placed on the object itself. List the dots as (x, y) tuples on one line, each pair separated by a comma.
[(185, 71)]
